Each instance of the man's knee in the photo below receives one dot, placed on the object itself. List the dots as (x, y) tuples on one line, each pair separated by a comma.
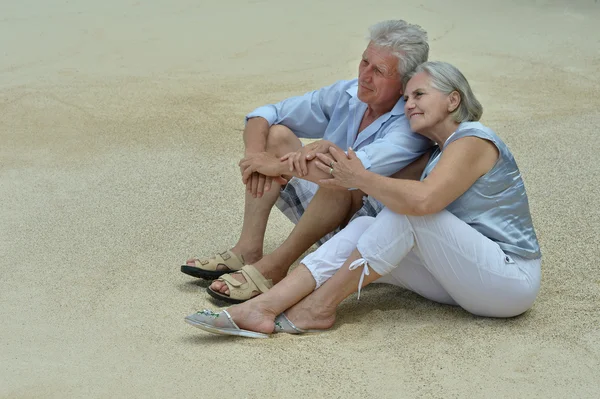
[(326, 192), (339, 201), (357, 200), (282, 140)]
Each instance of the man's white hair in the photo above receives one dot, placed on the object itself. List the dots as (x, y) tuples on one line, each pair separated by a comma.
[(408, 42)]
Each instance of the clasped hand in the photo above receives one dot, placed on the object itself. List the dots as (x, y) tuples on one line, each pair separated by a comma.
[(298, 160), (345, 170), (258, 172)]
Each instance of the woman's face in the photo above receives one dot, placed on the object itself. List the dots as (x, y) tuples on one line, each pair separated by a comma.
[(425, 107)]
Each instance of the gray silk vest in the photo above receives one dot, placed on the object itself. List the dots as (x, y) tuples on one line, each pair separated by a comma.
[(496, 205)]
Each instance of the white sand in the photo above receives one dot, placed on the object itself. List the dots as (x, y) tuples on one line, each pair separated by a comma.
[(120, 132)]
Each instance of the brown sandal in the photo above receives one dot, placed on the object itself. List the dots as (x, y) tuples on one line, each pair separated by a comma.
[(208, 268), (240, 292)]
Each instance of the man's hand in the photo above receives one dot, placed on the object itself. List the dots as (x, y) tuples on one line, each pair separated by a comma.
[(297, 160), (258, 172), (263, 163)]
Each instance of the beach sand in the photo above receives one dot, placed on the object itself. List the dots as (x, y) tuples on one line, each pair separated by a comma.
[(120, 132)]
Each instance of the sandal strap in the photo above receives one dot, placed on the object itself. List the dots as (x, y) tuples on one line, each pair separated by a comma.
[(231, 281), (226, 258), (257, 278), (255, 282)]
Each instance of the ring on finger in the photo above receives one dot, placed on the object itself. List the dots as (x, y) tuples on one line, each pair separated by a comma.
[(331, 164), (331, 171)]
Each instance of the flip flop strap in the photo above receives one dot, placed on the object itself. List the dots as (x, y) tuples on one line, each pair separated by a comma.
[(230, 319), (283, 324)]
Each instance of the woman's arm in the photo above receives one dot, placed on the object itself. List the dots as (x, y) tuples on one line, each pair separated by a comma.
[(414, 170), (460, 165)]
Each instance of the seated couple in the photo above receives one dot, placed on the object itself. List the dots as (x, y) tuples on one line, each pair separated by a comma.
[(453, 225)]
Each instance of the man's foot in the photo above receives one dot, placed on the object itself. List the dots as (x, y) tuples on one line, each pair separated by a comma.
[(255, 284), (214, 267), (310, 315), (267, 272), (249, 257)]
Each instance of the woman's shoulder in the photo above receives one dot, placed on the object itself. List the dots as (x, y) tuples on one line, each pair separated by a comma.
[(477, 129), (471, 128)]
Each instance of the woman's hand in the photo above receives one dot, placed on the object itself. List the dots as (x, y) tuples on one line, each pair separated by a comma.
[(345, 171), (297, 161)]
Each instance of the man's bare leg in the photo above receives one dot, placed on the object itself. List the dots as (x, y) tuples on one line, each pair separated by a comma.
[(280, 141), (328, 209)]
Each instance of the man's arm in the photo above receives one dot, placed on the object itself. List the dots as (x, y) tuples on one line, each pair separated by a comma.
[(394, 150), (255, 135), (400, 152), (307, 115), (269, 165)]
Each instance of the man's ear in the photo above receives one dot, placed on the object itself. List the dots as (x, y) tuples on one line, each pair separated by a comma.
[(453, 101), (401, 87)]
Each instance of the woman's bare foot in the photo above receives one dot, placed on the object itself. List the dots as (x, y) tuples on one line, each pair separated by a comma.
[(309, 314), (251, 316)]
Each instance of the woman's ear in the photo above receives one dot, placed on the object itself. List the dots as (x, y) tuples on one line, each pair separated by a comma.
[(453, 101)]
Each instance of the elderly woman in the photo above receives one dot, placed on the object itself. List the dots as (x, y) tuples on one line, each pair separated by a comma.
[(456, 228)]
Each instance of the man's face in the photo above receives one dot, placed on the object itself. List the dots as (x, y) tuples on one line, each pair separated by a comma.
[(379, 83)]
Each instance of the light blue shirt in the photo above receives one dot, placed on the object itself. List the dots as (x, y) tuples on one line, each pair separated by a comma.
[(334, 113)]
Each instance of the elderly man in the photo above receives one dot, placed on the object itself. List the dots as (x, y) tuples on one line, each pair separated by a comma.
[(366, 114)]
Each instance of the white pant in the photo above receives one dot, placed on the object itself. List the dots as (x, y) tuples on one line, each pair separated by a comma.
[(437, 256)]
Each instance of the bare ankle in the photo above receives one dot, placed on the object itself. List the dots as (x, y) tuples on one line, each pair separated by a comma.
[(320, 309), (264, 307), (250, 256), (269, 270)]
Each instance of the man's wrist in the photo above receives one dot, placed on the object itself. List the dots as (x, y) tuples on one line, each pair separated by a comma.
[(251, 150), (283, 168)]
